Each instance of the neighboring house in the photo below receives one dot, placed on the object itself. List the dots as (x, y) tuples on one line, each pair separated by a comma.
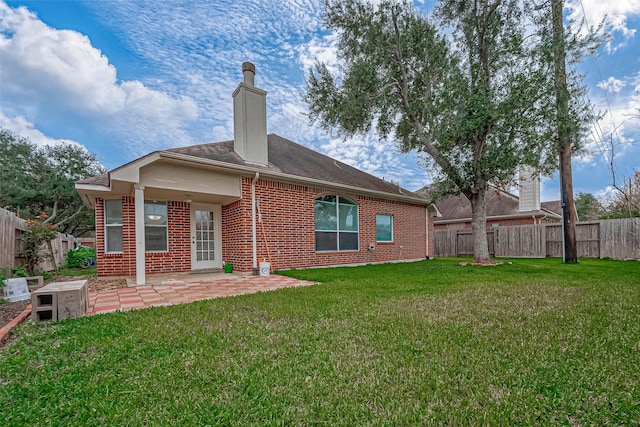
[(503, 208), (242, 201)]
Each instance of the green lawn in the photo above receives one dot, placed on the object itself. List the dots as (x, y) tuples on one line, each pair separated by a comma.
[(427, 343)]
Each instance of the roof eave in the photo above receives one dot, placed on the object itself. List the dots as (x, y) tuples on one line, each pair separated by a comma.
[(266, 173)]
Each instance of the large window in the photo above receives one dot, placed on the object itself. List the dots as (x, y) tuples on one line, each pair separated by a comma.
[(113, 225), (155, 227), (336, 224), (384, 228)]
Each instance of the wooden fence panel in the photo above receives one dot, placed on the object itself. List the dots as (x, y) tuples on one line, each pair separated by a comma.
[(464, 242), (62, 244), (521, 241), (458, 242), (11, 228), (12, 247), (554, 240), (588, 239), (620, 238), (445, 243), (614, 238)]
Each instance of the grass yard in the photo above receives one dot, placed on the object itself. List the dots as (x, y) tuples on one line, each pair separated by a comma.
[(426, 343)]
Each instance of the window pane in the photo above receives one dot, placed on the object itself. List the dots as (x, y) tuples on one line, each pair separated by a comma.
[(346, 201), (348, 241), (113, 211), (326, 241), (155, 213), (114, 238), (384, 228), (325, 215), (348, 217), (331, 199), (155, 238)]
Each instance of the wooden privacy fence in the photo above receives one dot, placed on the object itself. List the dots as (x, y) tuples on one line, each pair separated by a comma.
[(612, 238), (11, 229), (11, 245)]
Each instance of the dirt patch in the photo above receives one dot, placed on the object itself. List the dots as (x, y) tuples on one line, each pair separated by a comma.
[(105, 283), (482, 264), (10, 310)]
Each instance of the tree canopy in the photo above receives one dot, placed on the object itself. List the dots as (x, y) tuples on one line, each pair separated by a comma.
[(588, 207), (35, 179), (470, 87)]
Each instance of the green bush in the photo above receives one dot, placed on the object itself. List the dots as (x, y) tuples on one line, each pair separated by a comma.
[(20, 272), (81, 257)]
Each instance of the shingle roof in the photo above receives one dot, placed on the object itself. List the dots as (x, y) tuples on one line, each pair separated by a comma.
[(554, 206), (293, 159), (102, 180), (499, 203), (287, 157)]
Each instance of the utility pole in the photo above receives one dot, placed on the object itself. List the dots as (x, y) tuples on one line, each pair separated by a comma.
[(569, 217)]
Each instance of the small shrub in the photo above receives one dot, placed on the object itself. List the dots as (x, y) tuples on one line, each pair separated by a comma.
[(39, 232), (81, 257), (20, 272)]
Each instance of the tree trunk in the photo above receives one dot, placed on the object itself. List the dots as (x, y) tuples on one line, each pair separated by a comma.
[(569, 219), (479, 227)]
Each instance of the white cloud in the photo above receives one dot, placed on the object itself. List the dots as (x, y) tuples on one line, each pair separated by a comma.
[(614, 13), (22, 127), (323, 50), (60, 71), (612, 85)]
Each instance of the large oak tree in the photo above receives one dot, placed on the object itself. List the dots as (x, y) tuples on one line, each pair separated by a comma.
[(35, 179), (470, 87)]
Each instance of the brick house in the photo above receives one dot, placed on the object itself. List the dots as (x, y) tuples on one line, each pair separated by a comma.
[(259, 196), (503, 208)]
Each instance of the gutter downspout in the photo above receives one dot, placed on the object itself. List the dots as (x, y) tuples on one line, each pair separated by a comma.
[(427, 233), (253, 224)]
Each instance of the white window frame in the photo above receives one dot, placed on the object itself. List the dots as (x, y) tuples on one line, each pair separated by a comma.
[(337, 230), (148, 225), (391, 223), (113, 225)]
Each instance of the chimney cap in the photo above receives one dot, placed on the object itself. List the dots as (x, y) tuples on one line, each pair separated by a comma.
[(249, 72), (248, 66)]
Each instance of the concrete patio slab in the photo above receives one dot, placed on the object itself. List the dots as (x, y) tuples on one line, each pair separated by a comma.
[(166, 289)]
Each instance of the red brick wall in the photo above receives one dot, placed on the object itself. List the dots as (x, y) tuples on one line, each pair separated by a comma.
[(288, 215), (178, 258)]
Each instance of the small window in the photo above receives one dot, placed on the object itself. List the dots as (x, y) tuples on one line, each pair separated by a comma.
[(384, 228), (113, 225), (155, 227), (336, 224)]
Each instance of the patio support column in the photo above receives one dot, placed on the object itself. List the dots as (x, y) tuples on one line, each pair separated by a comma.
[(140, 248)]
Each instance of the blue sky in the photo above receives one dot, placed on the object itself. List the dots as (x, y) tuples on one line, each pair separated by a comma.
[(124, 78)]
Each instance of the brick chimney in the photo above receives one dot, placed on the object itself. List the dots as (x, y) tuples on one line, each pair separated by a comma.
[(529, 189), (250, 119)]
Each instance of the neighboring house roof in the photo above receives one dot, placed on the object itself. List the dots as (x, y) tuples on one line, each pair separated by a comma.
[(286, 158), (499, 204), (554, 206)]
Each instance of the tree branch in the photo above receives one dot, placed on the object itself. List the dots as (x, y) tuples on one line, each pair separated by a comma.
[(54, 212), (75, 214)]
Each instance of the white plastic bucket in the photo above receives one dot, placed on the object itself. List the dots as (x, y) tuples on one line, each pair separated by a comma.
[(16, 289), (265, 268)]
